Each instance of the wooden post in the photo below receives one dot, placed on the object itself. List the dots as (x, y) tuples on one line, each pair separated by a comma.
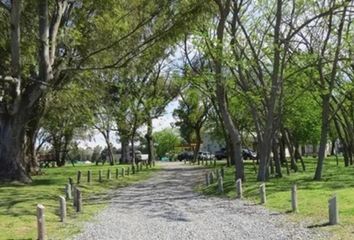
[(206, 179), (239, 188), (74, 195), (117, 173), (41, 222), (211, 178), (109, 174), (220, 185), (222, 172), (206, 162), (333, 211), (141, 167), (78, 177), (68, 191), (123, 172), (202, 161), (262, 192), (184, 160), (100, 175), (78, 200), (89, 174), (128, 171), (71, 181), (294, 198), (133, 169), (62, 208), (217, 174), (214, 162)]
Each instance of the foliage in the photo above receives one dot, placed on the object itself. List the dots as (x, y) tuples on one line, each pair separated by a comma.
[(166, 142)]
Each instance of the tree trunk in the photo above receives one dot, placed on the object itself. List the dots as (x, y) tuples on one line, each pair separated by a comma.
[(12, 135), (323, 139), (197, 146), (32, 165), (276, 160), (125, 150), (150, 142), (221, 95)]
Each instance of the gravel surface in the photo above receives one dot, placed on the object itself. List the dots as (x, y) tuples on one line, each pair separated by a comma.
[(166, 207)]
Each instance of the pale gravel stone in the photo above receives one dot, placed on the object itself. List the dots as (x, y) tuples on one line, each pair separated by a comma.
[(166, 207)]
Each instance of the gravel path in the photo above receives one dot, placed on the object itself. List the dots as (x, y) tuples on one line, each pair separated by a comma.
[(166, 207)]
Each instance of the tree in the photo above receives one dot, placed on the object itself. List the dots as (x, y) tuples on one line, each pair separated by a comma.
[(166, 141)]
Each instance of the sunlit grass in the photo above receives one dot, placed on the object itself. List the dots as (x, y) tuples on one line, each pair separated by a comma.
[(312, 195), (18, 202)]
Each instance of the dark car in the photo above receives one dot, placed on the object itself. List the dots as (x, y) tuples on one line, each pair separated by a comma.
[(185, 156), (221, 154)]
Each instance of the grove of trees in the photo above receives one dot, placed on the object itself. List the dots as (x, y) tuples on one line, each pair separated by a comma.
[(280, 71)]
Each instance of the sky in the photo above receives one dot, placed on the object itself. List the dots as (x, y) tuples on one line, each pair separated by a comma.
[(165, 121)]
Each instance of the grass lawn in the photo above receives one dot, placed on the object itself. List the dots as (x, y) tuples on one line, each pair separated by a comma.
[(18, 202), (312, 195)]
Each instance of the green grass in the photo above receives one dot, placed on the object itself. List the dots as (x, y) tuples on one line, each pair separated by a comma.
[(18, 202), (312, 195)]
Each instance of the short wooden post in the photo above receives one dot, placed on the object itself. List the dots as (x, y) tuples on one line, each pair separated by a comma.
[(74, 196), (333, 211), (117, 173), (211, 178), (184, 160), (141, 167), (207, 179), (222, 172), (146, 166), (89, 175), (78, 200), (217, 173), (100, 175), (62, 208), (220, 185), (239, 188), (202, 161), (128, 171), (78, 177), (109, 174), (71, 181), (206, 162), (214, 162), (123, 172), (68, 191), (262, 192), (294, 198), (41, 222)]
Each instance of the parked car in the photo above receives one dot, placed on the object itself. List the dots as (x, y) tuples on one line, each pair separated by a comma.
[(249, 154), (222, 153), (205, 156), (246, 154), (185, 156)]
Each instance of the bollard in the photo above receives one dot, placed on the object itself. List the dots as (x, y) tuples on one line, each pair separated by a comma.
[(262, 192), (109, 174), (206, 162), (68, 191), (89, 174), (62, 208), (74, 195), (133, 169), (217, 174), (41, 222), (184, 160), (207, 179), (78, 177), (220, 185), (141, 167), (146, 166), (239, 188), (214, 162), (222, 172), (78, 200), (202, 161), (100, 175), (71, 181), (333, 211), (128, 171), (123, 172), (294, 198), (117, 173), (211, 178)]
